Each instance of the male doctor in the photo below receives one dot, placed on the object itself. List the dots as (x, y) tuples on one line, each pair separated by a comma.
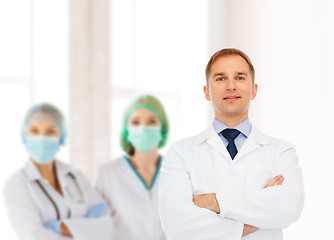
[(231, 181)]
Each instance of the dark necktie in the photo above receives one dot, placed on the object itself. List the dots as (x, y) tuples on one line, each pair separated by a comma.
[(230, 135)]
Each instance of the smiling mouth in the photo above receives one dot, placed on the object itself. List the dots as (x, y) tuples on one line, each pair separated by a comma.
[(234, 97)]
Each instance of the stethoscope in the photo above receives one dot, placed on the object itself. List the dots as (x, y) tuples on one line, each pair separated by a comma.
[(51, 199)]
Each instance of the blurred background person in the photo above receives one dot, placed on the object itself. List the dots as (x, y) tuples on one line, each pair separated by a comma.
[(129, 183), (47, 198)]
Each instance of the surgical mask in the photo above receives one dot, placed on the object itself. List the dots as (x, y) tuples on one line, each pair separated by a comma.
[(42, 149), (144, 138)]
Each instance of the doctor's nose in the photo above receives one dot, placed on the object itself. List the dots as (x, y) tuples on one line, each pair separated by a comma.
[(230, 85)]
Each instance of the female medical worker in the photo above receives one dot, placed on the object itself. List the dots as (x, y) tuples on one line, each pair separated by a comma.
[(129, 183), (48, 199)]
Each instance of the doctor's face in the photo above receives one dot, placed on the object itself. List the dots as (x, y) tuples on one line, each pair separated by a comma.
[(42, 128), (145, 117), (230, 87)]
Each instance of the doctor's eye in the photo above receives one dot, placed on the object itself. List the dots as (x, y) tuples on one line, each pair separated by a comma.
[(152, 121), (51, 132), (220, 79), (33, 131), (240, 78), (134, 122)]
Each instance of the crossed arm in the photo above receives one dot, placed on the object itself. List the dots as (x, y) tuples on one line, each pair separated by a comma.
[(274, 207), (209, 201)]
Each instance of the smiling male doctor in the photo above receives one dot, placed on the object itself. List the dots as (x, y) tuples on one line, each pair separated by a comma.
[(227, 182)]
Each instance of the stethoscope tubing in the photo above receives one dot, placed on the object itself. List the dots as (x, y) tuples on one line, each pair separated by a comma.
[(51, 199)]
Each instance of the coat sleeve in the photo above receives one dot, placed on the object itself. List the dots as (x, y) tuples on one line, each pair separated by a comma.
[(272, 207), (101, 184), (90, 228), (23, 214), (180, 218)]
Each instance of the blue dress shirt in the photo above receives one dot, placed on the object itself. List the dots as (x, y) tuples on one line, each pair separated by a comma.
[(245, 129)]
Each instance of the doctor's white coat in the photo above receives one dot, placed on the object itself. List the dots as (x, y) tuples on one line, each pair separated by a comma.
[(134, 208), (29, 207), (202, 164)]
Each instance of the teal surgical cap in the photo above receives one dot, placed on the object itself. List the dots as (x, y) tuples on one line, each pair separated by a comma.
[(47, 113), (154, 105)]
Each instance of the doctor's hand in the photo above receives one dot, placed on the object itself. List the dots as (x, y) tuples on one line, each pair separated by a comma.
[(278, 180), (248, 229), (65, 231), (97, 210), (207, 201), (58, 227), (53, 226)]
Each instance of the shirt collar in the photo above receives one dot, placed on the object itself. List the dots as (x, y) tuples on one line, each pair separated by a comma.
[(244, 127)]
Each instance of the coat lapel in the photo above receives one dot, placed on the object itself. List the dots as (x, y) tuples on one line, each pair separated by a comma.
[(215, 142), (31, 171), (249, 146), (253, 142)]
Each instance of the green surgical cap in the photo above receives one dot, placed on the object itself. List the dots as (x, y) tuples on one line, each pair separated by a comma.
[(154, 105), (48, 113)]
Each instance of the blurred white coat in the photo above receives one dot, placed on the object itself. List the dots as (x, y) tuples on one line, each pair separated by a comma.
[(134, 206), (29, 207)]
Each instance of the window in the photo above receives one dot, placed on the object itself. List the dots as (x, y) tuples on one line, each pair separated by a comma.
[(33, 68), (159, 48)]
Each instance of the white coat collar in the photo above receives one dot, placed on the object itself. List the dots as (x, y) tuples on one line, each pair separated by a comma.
[(32, 173), (254, 141)]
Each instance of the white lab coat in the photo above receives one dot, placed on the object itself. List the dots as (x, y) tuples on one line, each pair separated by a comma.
[(29, 207), (202, 164), (134, 208)]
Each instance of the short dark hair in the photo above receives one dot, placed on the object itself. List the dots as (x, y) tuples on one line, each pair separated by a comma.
[(226, 52)]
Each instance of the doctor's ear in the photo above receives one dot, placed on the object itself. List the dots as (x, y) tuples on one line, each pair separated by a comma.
[(206, 92), (254, 91)]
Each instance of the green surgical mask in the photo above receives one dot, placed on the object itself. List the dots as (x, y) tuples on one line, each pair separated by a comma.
[(144, 138)]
